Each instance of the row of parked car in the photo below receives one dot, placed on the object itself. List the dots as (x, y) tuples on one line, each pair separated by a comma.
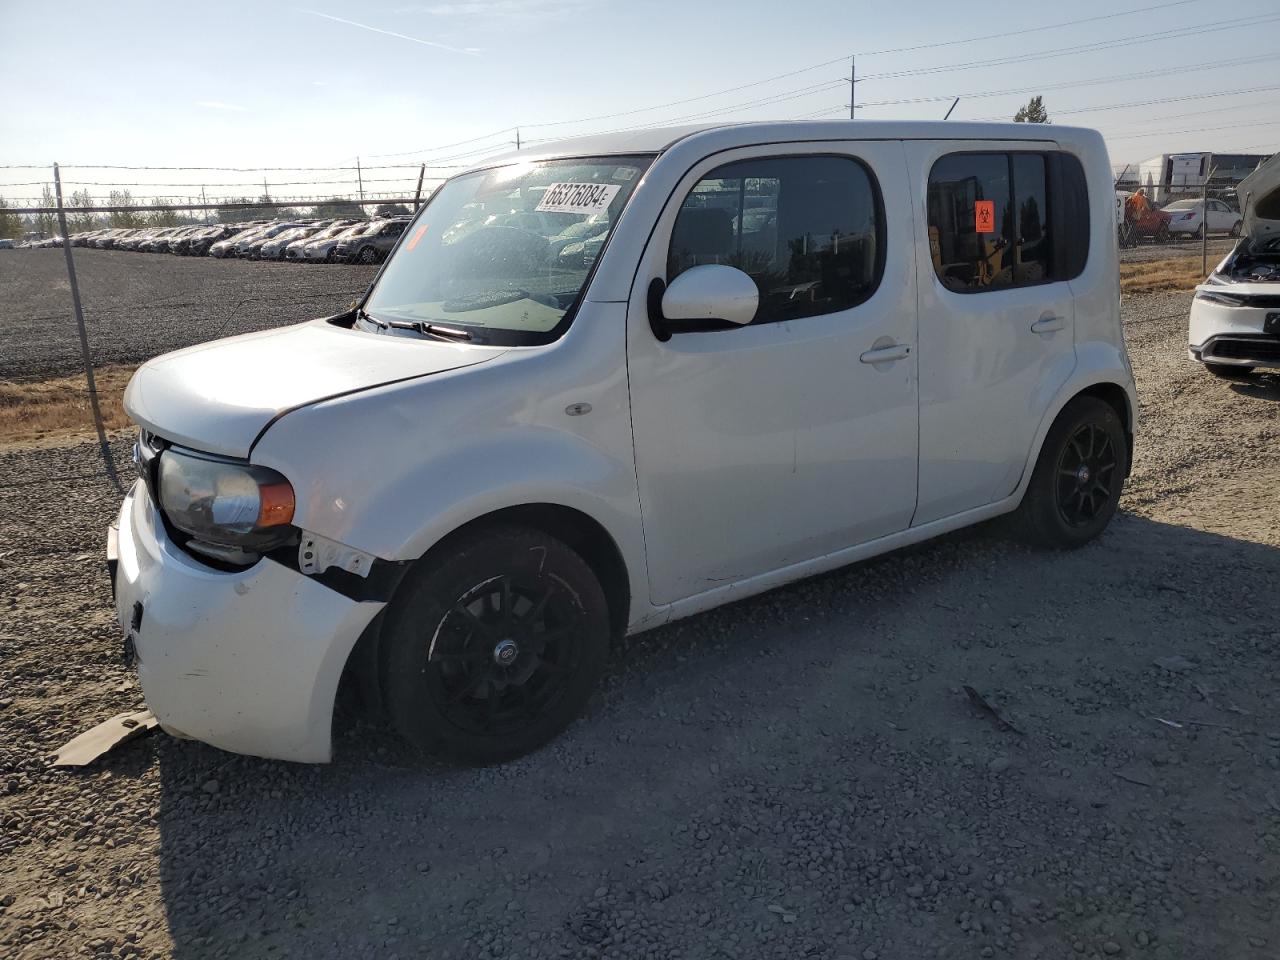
[(310, 241)]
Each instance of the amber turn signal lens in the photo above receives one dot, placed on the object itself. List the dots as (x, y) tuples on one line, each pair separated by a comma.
[(275, 504)]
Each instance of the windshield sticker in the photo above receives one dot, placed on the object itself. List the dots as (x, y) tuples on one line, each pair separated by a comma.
[(417, 235), (984, 216), (577, 197)]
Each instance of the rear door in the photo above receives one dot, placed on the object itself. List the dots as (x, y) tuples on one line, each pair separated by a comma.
[(996, 312)]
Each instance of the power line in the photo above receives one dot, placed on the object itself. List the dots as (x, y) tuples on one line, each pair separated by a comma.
[(446, 146), (1096, 46), (1128, 104), (1142, 75), (842, 59), (1019, 33), (1172, 133)]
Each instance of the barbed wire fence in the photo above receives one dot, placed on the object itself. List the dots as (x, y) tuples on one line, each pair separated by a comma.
[(62, 216)]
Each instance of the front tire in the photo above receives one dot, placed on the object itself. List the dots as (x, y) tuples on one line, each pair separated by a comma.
[(368, 256), (494, 646), (1075, 487)]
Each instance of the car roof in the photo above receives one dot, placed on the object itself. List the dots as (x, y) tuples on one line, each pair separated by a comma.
[(660, 139)]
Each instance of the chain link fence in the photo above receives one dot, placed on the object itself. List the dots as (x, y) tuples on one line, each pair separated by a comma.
[(95, 289)]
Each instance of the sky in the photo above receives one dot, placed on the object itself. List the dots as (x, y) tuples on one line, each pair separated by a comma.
[(319, 83)]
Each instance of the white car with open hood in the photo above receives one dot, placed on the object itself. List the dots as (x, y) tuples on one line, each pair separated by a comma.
[(608, 384), (1235, 316)]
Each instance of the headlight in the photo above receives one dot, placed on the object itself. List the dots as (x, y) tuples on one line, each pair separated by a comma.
[(1224, 299), (225, 502)]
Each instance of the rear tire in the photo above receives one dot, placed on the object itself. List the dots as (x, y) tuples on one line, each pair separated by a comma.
[(1228, 371), (495, 646), (1075, 487)]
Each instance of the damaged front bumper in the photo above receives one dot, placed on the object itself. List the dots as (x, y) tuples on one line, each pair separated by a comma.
[(246, 660)]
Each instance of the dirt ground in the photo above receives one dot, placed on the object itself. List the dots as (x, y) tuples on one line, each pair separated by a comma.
[(797, 775)]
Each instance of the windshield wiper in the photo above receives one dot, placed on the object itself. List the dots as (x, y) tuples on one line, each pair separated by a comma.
[(429, 329), (426, 328)]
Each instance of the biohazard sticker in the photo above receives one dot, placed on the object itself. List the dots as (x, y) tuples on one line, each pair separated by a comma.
[(578, 197), (984, 216)]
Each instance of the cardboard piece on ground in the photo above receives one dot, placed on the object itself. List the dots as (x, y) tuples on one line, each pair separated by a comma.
[(104, 738)]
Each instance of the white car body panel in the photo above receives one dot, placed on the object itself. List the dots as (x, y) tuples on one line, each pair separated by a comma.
[(719, 464), (246, 661), (219, 396), (1245, 332)]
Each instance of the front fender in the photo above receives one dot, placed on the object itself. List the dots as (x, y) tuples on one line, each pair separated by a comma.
[(393, 470)]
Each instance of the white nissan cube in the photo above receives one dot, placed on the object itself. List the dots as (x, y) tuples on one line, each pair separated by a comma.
[(1235, 316), (607, 384)]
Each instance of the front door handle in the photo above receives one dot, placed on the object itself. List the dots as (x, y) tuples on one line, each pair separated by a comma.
[(886, 354), (1048, 324)]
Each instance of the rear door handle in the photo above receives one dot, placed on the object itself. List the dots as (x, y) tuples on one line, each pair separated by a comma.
[(1048, 324), (886, 354)]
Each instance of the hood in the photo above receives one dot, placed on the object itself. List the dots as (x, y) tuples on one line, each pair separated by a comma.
[(218, 397), (1259, 195)]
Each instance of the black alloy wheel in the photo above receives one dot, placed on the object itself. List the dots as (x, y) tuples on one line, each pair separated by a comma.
[(1078, 478), (368, 255), (500, 656), (1086, 474), (494, 645)]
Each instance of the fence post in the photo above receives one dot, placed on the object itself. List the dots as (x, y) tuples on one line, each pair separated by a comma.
[(417, 194), (1204, 223), (105, 448)]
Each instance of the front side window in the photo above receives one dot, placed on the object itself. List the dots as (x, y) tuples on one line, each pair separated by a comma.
[(807, 230), (1000, 220), (505, 253)]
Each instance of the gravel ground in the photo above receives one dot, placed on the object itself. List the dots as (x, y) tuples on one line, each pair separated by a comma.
[(139, 305), (797, 775)]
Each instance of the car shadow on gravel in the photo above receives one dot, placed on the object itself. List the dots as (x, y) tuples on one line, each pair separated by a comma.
[(1260, 387), (649, 818)]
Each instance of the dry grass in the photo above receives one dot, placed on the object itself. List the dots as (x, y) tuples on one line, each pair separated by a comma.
[(1158, 276), (48, 410)]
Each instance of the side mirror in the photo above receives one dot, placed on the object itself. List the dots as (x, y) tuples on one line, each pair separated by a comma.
[(703, 296)]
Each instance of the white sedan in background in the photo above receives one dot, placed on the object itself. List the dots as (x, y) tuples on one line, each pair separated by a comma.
[(1186, 217)]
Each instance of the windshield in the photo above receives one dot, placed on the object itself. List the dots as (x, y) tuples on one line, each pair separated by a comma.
[(505, 253)]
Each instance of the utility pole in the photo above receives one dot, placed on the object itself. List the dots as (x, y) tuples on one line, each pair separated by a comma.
[(204, 201), (417, 194), (853, 79), (360, 179), (517, 138)]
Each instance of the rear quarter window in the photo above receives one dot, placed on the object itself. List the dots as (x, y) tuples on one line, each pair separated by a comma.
[(1007, 219)]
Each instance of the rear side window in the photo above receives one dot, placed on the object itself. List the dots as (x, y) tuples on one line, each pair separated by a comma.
[(808, 230), (999, 220)]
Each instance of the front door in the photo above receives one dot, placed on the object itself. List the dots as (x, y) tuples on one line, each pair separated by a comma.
[(793, 437), (996, 312)]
